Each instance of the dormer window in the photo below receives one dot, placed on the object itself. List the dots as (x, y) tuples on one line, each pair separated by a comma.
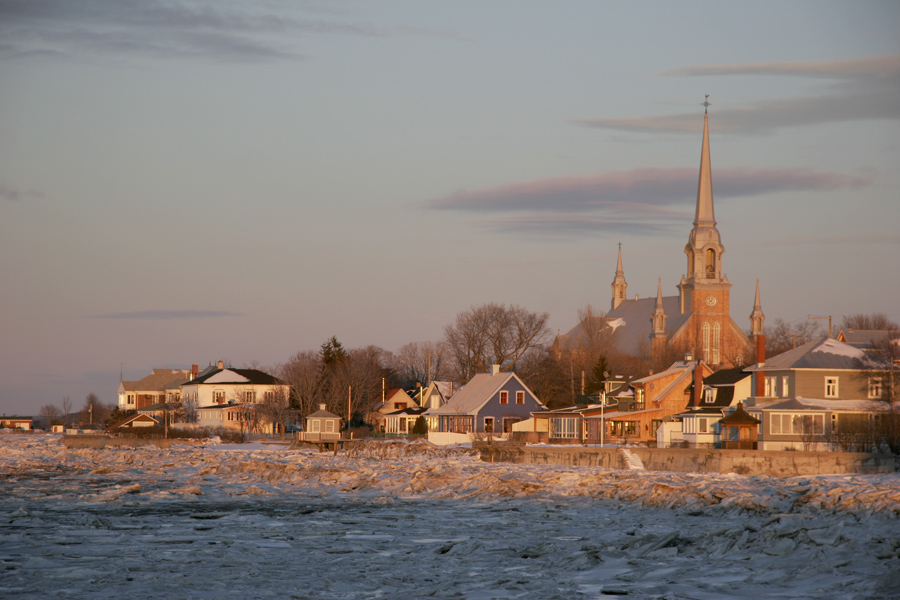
[(709, 395)]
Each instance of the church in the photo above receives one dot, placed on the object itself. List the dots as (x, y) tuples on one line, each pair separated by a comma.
[(698, 319)]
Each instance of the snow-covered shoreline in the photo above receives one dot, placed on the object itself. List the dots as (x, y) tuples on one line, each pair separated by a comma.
[(424, 521)]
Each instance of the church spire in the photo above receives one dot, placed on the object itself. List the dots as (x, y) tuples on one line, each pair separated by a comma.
[(618, 285), (757, 317), (704, 248), (704, 215)]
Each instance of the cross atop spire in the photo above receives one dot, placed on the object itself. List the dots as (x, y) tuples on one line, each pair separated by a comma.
[(705, 103)]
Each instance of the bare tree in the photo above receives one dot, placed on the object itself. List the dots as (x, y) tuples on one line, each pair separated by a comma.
[(303, 372), (66, 409), (276, 408), (493, 334), (49, 413), (862, 321), (94, 411), (421, 362), (782, 336)]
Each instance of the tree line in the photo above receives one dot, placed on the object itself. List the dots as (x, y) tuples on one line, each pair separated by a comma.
[(348, 381)]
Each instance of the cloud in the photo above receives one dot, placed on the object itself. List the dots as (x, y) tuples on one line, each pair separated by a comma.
[(881, 67), (818, 240), (13, 194), (215, 31), (642, 191), (162, 315), (860, 89), (566, 225)]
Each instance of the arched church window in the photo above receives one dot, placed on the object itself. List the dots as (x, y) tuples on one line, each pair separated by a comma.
[(710, 263), (690, 255), (715, 344), (705, 345)]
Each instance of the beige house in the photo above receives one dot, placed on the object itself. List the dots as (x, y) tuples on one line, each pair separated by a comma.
[(394, 400), (155, 388), (321, 426)]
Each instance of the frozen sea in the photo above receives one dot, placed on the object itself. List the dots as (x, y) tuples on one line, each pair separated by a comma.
[(411, 521)]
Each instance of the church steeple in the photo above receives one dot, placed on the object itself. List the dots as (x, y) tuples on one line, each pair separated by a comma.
[(704, 248), (618, 284), (757, 317), (659, 314)]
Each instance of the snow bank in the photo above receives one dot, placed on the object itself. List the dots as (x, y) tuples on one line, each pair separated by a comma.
[(396, 519)]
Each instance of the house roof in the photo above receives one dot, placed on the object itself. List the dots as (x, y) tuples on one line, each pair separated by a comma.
[(822, 353), (238, 376), (740, 417), (476, 393), (725, 377), (156, 381), (322, 414), (132, 418), (801, 403), (863, 338), (414, 410)]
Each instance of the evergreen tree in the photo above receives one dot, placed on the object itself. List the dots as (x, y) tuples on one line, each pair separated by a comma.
[(420, 427)]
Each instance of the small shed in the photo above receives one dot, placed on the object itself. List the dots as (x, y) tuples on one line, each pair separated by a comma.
[(134, 421), (321, 426), (740, 431)]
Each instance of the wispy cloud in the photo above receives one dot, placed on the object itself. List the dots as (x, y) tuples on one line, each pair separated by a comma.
[(880, 67), (13, 194), (214, 31), (640, 190), (861, 89), (640, 201), (818, 240), (162, 315)]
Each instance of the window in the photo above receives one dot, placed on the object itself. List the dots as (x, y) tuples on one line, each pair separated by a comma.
[(130, 398), (639, 399), (504, 397), (771, 387), (709, 395), (831, 387), (785, 387), (705, 333), (874, 387), (329, 426), (270, 395), (219, 396), (715, 344), (562, 427), (796, 424), (316, 425), (520, 397), (710, 263), (400, 405), (703, 425), (248, 396), (489, 424)]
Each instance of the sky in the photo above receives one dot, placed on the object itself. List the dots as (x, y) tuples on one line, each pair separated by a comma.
[(187, 182)]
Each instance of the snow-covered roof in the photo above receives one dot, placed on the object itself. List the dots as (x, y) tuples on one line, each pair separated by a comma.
[(801, 403), (822, 353), (235, 376)]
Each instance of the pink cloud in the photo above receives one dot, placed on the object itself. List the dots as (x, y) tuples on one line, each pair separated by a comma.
[(644, 190)]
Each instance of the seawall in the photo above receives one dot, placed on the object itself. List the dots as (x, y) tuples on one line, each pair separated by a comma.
[(695, 460)]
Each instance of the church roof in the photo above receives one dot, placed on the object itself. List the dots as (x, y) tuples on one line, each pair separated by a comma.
[(634, 328)]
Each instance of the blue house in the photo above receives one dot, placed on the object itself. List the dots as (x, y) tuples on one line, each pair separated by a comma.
[(489, 403)]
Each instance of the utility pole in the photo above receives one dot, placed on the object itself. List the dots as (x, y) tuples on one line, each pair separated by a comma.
[(428, 355), (829, 322), (349, 398)]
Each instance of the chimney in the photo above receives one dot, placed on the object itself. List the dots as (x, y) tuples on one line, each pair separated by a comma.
[(495, 369), (760, 361), (698, 385), (195, 369), (220, 364)]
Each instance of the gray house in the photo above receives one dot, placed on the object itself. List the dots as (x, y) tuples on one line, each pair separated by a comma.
[(823, 395), (489, 404)]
